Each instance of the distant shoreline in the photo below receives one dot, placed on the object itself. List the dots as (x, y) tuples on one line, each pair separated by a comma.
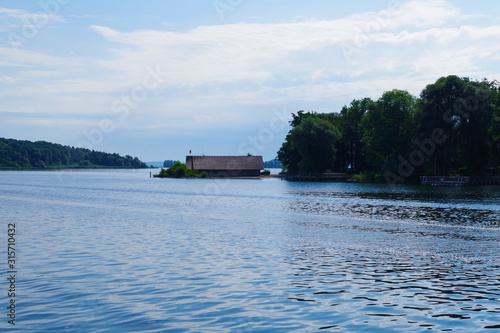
[(76, 167)]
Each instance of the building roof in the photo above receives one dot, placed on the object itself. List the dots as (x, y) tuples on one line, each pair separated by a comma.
[(225, 162)]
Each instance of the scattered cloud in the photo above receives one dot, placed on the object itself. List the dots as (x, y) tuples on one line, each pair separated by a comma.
[(55, 122), (41, 74), (7, 79), (31, 18), (425, 14), (285, 60), (229, 76), (266, 54)]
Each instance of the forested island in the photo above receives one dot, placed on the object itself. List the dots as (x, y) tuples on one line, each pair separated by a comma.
[(452, 128), (273, 164), (170, 163), (17, 154)]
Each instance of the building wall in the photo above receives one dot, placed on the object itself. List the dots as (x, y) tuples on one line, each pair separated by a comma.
[(220, 170), (232, 173), (189, 162)]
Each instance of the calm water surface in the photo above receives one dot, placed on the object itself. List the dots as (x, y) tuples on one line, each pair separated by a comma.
[(116, 251)]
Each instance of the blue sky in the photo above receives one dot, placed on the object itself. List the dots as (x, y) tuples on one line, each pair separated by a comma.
[(155, 79)]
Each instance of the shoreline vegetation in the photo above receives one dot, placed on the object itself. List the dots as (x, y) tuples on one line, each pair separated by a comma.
[(180, 170), (42, 155), (451, 129), (334, 177)]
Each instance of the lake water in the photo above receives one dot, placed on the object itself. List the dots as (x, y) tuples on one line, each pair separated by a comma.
[(117, 251)]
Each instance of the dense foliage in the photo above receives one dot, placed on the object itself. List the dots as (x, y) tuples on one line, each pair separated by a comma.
[(180, 170), (16, 154), (464, 110), (453, 128), (314, 140), (311, 143)]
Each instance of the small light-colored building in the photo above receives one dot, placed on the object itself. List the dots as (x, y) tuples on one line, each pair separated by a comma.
[(226, 166)]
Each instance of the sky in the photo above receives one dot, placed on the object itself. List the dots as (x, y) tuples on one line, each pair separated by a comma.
[(158, 79)]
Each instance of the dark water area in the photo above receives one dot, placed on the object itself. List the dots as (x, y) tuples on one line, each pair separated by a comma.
[(117, 251)]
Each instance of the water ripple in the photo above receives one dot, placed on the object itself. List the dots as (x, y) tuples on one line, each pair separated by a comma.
[(119, 252)]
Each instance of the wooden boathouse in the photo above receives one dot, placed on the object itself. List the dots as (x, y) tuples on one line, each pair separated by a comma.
[(227, 166)]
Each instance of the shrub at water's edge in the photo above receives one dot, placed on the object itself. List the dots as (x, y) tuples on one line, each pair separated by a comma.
[(179, 170), (368, 177)]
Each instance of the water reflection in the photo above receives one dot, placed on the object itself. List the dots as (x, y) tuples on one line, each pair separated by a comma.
[(476, 207), (412, 290), (396, 259), (118, 252), (448, 195)]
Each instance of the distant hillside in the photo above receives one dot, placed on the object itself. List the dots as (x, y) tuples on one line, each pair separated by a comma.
[(273, 164), (16, 154), (169, 163), (155, 164)]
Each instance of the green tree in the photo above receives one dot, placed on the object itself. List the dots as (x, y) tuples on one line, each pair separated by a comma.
[(494, 137), (352, 133), (463, 110), (314, 139), (388, 130), (288, 154), (179, 170), (301, 115)]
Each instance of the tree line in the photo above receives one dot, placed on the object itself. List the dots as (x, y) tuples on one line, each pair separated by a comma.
[(17, 154), (452, 128), (274, 164)]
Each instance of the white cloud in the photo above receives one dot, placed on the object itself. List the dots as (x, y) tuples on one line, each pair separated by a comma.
[(217, 76), (55, 122), (32, 18), (245, 64), (289, 59), (7, 79), (26, 58), (424, 14), (42, 74)]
